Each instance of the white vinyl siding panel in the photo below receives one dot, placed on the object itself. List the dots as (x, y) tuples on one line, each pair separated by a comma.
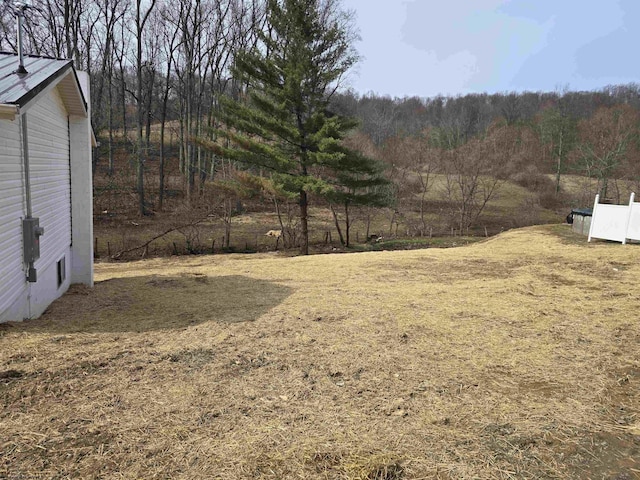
[(59, 139), (50, 176), (12, 276)]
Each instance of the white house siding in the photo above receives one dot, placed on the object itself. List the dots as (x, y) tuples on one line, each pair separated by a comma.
[(81, 192), (51, 195), (48, 137), (50, 176), (12, 277)]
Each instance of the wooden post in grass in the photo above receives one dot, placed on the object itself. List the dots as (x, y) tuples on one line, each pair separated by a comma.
[(95, 248)]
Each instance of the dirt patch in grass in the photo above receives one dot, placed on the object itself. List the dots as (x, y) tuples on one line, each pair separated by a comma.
[(516, 357)]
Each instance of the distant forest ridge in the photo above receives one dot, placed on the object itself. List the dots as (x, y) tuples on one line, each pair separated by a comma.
[(383, 117)]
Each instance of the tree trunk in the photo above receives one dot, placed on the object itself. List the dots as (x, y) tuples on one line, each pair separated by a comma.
[(163, 122), (150, 83), (67, 28), (191, 167), (140, 115), (559, 165), (141, 107), (393, 218), (283, 231), (605, 187), (161, 165), (304, 204), (227, 232), (347, 223), (123, 98), (337, 223), (182, 146), (110, 123), (424, 224), (368, 225)]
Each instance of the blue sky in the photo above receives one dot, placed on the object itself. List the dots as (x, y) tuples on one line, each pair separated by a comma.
[(451, 47)]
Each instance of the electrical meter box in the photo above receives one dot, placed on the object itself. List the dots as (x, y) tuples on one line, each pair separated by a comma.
[(31, 232)]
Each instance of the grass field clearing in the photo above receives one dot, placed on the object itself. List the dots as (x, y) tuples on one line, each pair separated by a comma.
[(515, 357)]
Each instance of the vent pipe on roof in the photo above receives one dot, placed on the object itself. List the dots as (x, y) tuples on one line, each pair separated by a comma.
[(20, 8)]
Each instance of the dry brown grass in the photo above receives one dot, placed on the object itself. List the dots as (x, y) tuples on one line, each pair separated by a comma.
[(518, 357)]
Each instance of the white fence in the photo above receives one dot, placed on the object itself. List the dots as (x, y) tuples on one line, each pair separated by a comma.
[(633, 229), (615, 222)]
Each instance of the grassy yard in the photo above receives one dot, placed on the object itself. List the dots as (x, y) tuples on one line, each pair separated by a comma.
[(514, 357)]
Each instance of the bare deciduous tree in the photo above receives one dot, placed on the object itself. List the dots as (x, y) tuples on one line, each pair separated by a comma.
[(605, 139)]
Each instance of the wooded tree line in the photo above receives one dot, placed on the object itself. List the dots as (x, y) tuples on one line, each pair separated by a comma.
[(167, 68), (515, 136), (151, 62), (383, 117)]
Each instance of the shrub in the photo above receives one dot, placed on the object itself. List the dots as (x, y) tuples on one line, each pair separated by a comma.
[(531, 179)]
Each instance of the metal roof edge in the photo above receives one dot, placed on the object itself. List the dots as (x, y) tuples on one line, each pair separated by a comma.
[(30, 55), (32, 93), (49, 82)]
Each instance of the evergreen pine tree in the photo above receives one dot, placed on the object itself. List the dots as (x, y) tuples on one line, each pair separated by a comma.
[(284, 126)]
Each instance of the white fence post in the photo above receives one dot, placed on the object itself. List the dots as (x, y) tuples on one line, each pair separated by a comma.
[(626, 227), (593, 215)]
